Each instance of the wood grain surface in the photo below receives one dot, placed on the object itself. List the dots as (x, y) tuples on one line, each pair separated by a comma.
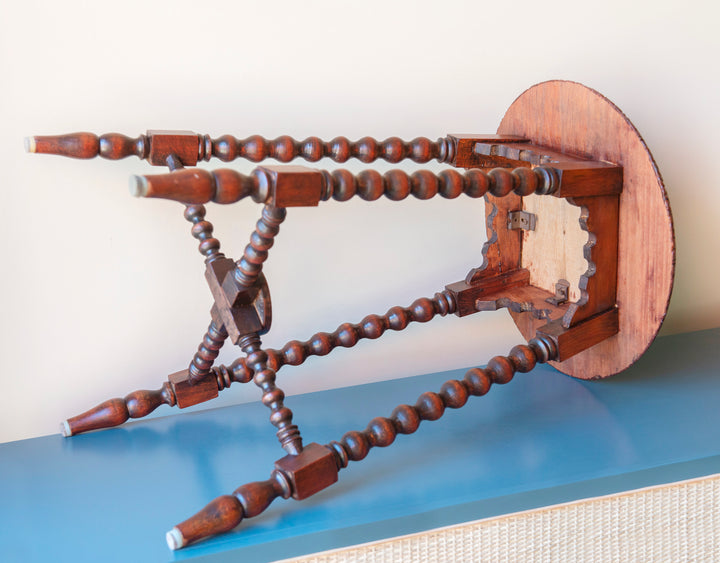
[(574, 119)]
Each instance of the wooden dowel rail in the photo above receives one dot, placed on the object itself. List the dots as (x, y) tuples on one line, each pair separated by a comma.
[(299, 186), (193, 147), (142, 402)]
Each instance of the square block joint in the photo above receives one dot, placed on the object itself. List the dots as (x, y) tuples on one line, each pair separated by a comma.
[(294, 186), (311, 471), (183, 144), (237, 307), (188, 394)]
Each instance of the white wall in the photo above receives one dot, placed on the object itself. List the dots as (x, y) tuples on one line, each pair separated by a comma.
[(103, 294)]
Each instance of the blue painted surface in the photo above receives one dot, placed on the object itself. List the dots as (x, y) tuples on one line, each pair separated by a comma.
[(542, 439)]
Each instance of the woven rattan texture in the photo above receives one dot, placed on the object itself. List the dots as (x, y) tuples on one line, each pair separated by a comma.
[(675, 522)]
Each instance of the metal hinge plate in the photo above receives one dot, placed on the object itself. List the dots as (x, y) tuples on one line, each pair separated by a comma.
[(521, 220), (562, 293)]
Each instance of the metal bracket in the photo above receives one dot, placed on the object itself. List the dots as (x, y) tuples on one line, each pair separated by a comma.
[(521, 220), (562, 288)]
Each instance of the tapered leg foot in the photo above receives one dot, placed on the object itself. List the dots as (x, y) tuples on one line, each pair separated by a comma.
[(116, 411)]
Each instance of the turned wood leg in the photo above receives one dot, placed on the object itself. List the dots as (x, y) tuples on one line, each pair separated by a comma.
[(281, 417), (317, 467), (299, 476), (116, 411), (184, 392), (189, 147)]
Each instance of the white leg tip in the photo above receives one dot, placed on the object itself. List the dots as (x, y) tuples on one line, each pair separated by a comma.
[(175, 539), (30, 145), (65, 429), (138, 186)]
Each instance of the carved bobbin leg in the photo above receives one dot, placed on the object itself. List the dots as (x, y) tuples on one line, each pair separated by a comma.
[(299, 476), (317, 466), (207, 352), (190, 147), (116, 411), (405, 419), (249, 267), (295, 186), (281, 417)]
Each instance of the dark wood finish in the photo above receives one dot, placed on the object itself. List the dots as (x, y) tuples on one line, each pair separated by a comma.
[(582, 335), (397, 185), (208, 351), (339, 149), (583, 123), (241, 310), (309, 472), (501, 251), (293, 353), (226, 512), (281, 417), (190, 147), (316, 468), (182, 144), (465, 156), (527, 299), (88, 145), (577, 179), (195, 186), (249, 267), (347, 335), (190, 392), (544, 137), (202, 230), (598, 286), (117, 411), (294, 186), (405, 419), (467, 294)]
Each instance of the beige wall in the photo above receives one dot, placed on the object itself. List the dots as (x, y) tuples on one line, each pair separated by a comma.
[(103, 294)]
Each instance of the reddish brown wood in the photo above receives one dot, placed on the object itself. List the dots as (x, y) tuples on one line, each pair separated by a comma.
[(587, 178), (316, 468), (241, 310), (288, 433), (466, 295), (248, 268), (577, 176), (207, 352), (191, 147), (117, 411), (309, 472), (195, 186), (348, 334), (294, 186), (501, 251), (577, 120), (465, 156), (226, 512), (191, 392), (202, 230), (219, 516), (115, 146), (598, 286), (527, 299), (75, 145), (405, 419), (582, 335), (339, 149), (571, 334), (184, 145)]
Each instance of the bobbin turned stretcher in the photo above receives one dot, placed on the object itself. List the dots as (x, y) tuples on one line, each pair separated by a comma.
[(580, 250)]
